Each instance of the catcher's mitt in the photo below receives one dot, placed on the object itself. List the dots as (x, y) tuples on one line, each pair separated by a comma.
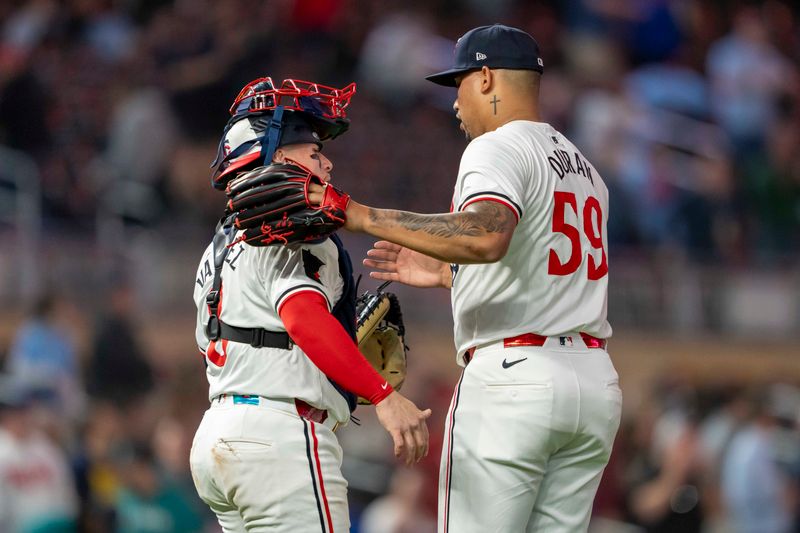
[(271, 205), (381, 336)]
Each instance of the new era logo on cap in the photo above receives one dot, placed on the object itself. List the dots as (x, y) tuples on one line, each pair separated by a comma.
[(496, 46)]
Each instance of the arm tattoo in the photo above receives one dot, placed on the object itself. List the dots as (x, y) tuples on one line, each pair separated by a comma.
[(482, 218), (494, 217)]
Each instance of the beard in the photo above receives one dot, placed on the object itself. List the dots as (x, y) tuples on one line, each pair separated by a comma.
[(467, 136)]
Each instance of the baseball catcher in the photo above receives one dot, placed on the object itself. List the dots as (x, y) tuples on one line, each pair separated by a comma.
[(270, 202), (381, 335), (277, 324)]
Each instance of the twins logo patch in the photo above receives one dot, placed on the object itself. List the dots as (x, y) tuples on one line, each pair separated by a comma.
[(311, 265)]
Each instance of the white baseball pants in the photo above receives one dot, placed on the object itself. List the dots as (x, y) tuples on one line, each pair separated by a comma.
[(264, 468), (527, 437)]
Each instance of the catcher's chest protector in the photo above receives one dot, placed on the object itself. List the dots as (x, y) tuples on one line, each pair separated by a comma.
[(345, 309)]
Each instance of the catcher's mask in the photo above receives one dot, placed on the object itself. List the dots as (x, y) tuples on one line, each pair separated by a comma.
[(297, 112)]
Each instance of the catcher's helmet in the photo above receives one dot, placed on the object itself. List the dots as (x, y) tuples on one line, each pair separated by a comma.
[(264, 117)]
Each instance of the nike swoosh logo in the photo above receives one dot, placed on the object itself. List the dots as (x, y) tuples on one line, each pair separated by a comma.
[(384, 386), (506, 364)]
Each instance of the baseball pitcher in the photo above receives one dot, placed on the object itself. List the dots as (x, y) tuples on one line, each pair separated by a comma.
[(523, 250)]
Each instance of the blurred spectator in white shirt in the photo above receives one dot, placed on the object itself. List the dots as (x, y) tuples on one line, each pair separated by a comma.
[(37, 492)]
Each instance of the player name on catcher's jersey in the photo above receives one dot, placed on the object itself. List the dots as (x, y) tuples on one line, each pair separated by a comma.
[(256, 281), (553, 279)]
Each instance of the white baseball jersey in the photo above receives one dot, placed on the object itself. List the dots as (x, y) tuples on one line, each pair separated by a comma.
[(553, 279), (36, 486), (262, 278)]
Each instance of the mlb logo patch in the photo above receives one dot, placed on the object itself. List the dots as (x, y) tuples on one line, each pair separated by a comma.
[(565, 341)]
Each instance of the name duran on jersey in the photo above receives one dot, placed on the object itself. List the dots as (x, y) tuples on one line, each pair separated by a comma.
[(561, 162), (553, 279)]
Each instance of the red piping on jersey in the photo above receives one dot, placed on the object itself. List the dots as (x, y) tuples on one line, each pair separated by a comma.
[(291, 294), (449, 465), (211, 352), (216, 357), (319, 476), (491, 199)]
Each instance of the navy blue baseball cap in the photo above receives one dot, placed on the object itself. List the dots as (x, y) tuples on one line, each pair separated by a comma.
[(495, 46)]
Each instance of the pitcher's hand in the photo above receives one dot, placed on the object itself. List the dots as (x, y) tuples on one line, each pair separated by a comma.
[(397, 263)]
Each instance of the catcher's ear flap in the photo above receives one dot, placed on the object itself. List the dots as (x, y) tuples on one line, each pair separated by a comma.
[(220, 180), (236, 150), (221, 146)]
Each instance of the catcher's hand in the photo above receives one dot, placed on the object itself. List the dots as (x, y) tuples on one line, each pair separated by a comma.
[(381, 336), (271, 205)]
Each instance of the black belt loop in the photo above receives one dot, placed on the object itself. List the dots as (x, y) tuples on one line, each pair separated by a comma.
[(256, 337)]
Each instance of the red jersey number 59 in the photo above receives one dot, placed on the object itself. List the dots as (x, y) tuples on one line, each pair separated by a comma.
[(592, 224)]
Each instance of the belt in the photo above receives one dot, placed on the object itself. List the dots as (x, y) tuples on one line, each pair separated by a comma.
[(299, 407), (533, 339)]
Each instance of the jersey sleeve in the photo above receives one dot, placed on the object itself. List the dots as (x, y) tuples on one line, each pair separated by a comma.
[(300, 268), (489, 172)]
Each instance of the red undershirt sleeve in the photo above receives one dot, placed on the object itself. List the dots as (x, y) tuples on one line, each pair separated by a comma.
[(323, 339)]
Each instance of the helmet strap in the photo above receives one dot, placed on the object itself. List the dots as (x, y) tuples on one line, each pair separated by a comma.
[(273, 136)]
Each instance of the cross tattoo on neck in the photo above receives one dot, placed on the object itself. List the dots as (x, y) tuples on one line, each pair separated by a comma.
[(494, 102)]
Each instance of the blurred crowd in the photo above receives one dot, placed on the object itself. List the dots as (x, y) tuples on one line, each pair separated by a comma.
[(96, 429), (95, 437), (721, 457), (690, 111)]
